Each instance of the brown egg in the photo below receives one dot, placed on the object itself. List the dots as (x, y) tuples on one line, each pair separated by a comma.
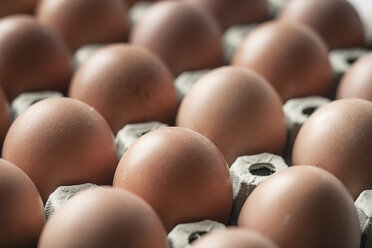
[(183, 35), (32, 57), (126, 84), (338, 138), (104, 217), (61, 141), (237, 110), (234, 238), (303, 206), (4, 116), (291, 56), (80, 22), (335, 20), (180, 173), (8, 7), (357, 81), (229, 12), (21, 209)]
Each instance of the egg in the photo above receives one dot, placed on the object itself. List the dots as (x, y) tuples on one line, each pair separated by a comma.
[(180, 173), (80, 22), (357, 81), (184, 36), (104, 217), (303, 206), (229, 12), (234, 238), (338, 137), (238, 110), (9, 7), (126, 84), (61, 141), (21, 208), (336, 21), (291, 56), (4, 116), (32, 57)]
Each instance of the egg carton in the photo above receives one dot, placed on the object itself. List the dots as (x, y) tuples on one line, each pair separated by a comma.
[(186, 80), (364, 208), (84, 53)]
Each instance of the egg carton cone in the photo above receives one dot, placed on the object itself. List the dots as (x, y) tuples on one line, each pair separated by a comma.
[(25, 100), (364, 208), (84, 53), (61, 194), (136, 12), (233, 37), (186, 80), (131, 132), (247, 172), (364, 9), (297, 111), (275, 6), (184, 234)]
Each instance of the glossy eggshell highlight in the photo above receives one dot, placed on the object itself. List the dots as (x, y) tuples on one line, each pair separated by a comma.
[(357, 81), (104, 217), (80, 22), (61, 141), (184, 36), (32, 57), (335, 20), (337, 138), (9, 7), (237, 110), (303, 206), (180, 173), (234, 238), (126, 84), (229, 12), (21, 209), (291, 56)]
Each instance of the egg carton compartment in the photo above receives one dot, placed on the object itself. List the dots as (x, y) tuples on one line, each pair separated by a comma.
[(186, 80), (364, 208), (84, 53)]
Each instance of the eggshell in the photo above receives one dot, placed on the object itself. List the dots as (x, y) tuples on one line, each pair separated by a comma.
[(32, 57), (180, 173), (8, 7), (126, 84), (21, 209), (335, 20), (104, 217), (184, 36), (291, 56), (234, 238), (237, 110), (337, 138), (61, 141), (4, 116), (80, 22), (303, 206)]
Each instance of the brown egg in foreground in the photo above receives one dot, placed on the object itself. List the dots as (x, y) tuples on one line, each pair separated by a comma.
[(291, 56), (357, 81), (183, 35), (234, 238), (303, 206), (180, 173), (126, 84), (61, 141), (80, 22), (33, 57), (336, 21), (9, 7), (229, 12), (237, 110), (338, 138), (104, 217), (21, 208)]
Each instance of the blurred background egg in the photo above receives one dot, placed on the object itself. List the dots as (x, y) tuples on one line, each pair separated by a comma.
[(126, 84), (104, 217), (81, 22), (9, 7), (21, 208), (180, 173), (4, 116), (237, 110), (184, 36), (303, 206), (32, 57), (61, 141), (291, 56)]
